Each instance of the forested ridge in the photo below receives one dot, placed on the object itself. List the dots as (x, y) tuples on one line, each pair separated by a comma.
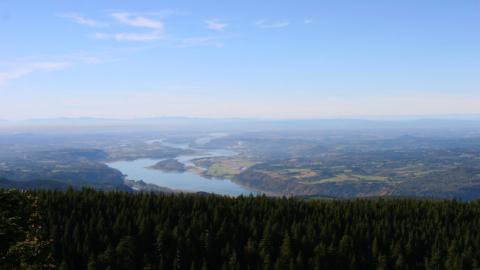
[(114, 230)]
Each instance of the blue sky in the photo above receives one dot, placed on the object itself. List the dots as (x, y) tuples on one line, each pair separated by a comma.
[(268, 59)]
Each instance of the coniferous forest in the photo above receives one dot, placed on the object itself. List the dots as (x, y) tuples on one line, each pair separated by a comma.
[(113, 230)]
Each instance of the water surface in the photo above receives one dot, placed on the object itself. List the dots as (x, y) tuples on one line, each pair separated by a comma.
[(188, 181)]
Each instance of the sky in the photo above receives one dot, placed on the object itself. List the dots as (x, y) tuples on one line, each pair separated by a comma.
[(263, 59)]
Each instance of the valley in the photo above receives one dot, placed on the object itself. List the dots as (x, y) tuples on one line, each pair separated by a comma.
[(338, 164)]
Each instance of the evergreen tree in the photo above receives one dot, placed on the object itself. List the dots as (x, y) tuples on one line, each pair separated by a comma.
[(112, 230)]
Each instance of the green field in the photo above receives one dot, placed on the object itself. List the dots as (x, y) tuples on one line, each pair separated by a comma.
[(228, 168), (348, 177)]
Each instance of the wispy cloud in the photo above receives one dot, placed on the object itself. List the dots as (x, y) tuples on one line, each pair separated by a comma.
[(85, 58), (156, 28), (77, 18), (139, 37), (23, 69), (308, 21), (199, 41), (264, 24), (149, 27), (157, 14), (20, 68), (216, 24), (91, 60), (137, 21)]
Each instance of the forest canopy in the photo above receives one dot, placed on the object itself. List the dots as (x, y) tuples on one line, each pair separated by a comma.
[(89, 229)]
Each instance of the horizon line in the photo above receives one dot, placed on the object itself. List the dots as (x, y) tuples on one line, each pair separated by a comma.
[(475, 116)]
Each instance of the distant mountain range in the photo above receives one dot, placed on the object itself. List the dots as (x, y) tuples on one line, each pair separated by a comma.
[(235, 124)]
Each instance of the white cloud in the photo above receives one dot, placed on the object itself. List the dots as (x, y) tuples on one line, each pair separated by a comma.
[(264, 24), (24, 69), (153, 29), (17, 69), (139, 37), (134, 20), (91, 60), (137, 21), (199, 41), (215, 24), (84, 58), (308, 21), (77, 18), (165, 13)]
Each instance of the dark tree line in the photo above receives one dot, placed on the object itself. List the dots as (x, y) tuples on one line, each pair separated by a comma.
[(113, 230), (21, 243)]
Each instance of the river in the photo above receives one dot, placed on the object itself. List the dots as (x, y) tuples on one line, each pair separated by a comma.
[(187, 181)]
